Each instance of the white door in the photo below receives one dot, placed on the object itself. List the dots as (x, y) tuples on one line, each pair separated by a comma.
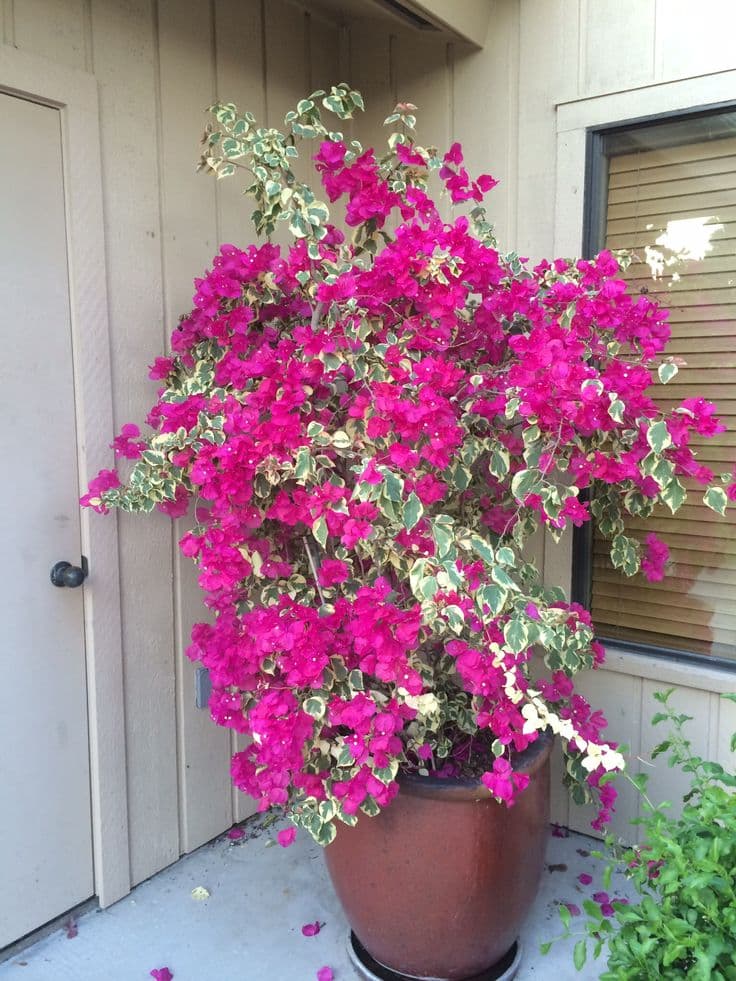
[(45, 822)]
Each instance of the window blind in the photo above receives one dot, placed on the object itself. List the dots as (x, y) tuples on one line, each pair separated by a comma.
[(675, 209)]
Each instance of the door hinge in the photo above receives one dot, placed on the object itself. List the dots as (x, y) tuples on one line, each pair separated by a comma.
[(202, 688)]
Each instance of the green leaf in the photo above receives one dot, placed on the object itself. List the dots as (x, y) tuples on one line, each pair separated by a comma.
[(316, 706), (499, 462), (512, 407), (298, 226), (616, 410), (456, 617), (546, 947), (493, 596), (715, 498), (341, 440), (326, 834), (592, 909), (318, 213), (667, 372), (516, 636), (525, 482), (416, 575), (579, 955), (674, 495), (443, 538), (303, 463), (505, 556), (502, 578), (413, 511), (394, 485), (625, 554), (658, 436), (483, 548), (319, 530), (607, 872), (152, 457)]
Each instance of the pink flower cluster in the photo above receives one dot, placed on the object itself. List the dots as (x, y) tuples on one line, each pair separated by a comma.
[(325, 416)]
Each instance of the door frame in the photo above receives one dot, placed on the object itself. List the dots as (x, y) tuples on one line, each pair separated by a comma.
[(74, 94)]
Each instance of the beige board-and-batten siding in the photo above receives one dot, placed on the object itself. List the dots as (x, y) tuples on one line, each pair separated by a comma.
[(520, 106), (615, 63), (156, 66)]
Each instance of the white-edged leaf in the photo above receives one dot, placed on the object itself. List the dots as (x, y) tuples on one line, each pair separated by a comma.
[(413, 511), (616, 410), (319, 530), (658, 436), (667, 372), (516, 636), (716, 499)]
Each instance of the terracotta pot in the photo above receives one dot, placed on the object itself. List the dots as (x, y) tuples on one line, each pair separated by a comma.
[(440, 882)]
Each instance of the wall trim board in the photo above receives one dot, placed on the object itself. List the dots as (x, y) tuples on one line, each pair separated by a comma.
[(645, 100)]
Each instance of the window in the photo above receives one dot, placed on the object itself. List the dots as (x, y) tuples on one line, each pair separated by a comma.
[(667, 193)]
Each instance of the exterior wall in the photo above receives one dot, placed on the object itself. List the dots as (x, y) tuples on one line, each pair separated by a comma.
[(543, 58), (596, 61), (157, 64)]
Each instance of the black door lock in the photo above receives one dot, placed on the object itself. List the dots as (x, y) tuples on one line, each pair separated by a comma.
[(71, 576)]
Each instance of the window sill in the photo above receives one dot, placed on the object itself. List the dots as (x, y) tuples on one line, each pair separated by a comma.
[(666, 669)]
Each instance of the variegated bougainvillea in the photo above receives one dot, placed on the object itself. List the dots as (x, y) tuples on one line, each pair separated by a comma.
[(368, 430)]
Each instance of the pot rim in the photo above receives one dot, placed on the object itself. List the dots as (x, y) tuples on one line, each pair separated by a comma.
[(529, 762)]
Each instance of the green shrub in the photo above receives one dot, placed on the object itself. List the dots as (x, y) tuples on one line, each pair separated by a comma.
[(684, 873)]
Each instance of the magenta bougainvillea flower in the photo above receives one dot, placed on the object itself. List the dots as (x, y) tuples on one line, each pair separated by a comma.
[(312, 929), (286, 837), (161, 974), (655, 558), (325, 974), (368, 428)]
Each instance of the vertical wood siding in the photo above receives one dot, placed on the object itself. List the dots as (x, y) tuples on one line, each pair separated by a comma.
[(158, 64), (579, 49)]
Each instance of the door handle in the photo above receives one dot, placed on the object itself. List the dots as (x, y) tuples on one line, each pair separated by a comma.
[(71, 576)]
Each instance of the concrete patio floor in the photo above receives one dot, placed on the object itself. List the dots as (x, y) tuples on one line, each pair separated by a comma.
[(249, 927)]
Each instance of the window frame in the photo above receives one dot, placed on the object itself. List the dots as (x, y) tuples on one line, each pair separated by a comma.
[(594, 208)]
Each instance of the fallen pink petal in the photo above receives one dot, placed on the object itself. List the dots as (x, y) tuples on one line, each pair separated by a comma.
[(312, 929), (325, 974), (574, 910), (559, 832), (584, 879), (235, 834), (71, 929), (286, 837), (161, 974)]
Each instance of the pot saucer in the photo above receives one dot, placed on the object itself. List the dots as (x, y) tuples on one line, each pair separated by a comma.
[(370, 969)]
